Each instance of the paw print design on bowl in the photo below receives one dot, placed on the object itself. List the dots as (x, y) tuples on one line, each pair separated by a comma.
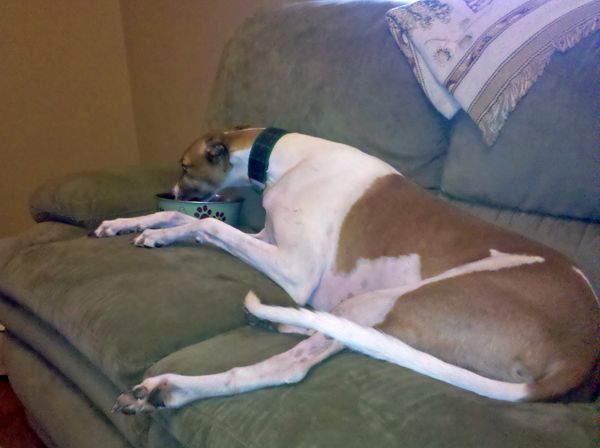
[(203, 212), (225, 210)]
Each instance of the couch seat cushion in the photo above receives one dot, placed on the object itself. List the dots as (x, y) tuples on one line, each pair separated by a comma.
[(124, 307), (354, 401)]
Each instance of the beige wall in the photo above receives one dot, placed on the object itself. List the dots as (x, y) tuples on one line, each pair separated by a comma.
[(65, 102), (92, 84), (173, 49)]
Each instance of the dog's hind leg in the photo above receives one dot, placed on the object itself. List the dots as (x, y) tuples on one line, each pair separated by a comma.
[(159, 220), (172, 391), (377, 344)]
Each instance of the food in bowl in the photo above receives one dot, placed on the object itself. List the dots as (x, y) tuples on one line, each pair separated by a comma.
[(223, 207)]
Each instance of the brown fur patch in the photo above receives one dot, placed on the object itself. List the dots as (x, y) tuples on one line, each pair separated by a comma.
[(514, 324), (535, 323), (395, 217)]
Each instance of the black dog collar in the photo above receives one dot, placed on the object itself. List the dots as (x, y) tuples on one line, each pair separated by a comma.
[(258, 162)]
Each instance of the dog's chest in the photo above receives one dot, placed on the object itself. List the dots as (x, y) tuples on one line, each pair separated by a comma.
[(367, 275)]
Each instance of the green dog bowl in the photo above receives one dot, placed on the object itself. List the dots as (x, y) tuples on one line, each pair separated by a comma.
[(223, 208)]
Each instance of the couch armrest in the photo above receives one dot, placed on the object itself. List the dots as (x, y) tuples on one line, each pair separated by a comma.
[(87, 198)]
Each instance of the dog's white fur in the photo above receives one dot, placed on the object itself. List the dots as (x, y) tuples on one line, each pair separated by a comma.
[(312, 184), (374, 343)]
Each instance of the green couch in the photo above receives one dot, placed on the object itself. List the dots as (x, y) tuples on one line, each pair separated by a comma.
[(87, 318)]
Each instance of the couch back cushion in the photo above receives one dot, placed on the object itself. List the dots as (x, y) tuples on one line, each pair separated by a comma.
[(332, 70), (547, 157)]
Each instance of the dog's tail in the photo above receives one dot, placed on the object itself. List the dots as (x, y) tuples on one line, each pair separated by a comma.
[(379, 345)]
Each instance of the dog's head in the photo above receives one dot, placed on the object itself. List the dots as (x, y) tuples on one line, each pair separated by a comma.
[(204, 166)]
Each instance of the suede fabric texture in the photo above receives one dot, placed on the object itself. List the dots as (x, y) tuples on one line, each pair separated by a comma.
[(351, 392), (61, 403), (85, 199), (334, 71), (82, 389), (547, 157), (354, 401), (66, 362), (124, 307)]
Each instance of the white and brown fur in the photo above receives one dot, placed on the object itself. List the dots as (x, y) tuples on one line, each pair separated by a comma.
[(390, 270)]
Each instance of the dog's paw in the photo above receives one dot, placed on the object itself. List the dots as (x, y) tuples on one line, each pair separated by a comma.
[(152, 394), (152, 238), (115, 227)]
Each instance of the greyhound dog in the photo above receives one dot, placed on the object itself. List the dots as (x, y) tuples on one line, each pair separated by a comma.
[(388, 269)]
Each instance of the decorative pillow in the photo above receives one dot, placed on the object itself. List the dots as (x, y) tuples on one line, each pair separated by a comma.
[(484, 55), (547, 157)]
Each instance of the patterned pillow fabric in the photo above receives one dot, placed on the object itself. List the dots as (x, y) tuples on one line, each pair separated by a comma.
[(547, 157), (484, 55)]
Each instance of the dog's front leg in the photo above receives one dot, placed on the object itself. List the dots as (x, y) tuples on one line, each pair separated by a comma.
[(139, 223), (246, 247), (266, 257), (172, 391)]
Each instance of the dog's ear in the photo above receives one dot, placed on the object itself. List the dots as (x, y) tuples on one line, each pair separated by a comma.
[(216, 152)]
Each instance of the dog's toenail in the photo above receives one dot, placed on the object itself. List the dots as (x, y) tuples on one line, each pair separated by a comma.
[(139, 392), (128, 410)]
